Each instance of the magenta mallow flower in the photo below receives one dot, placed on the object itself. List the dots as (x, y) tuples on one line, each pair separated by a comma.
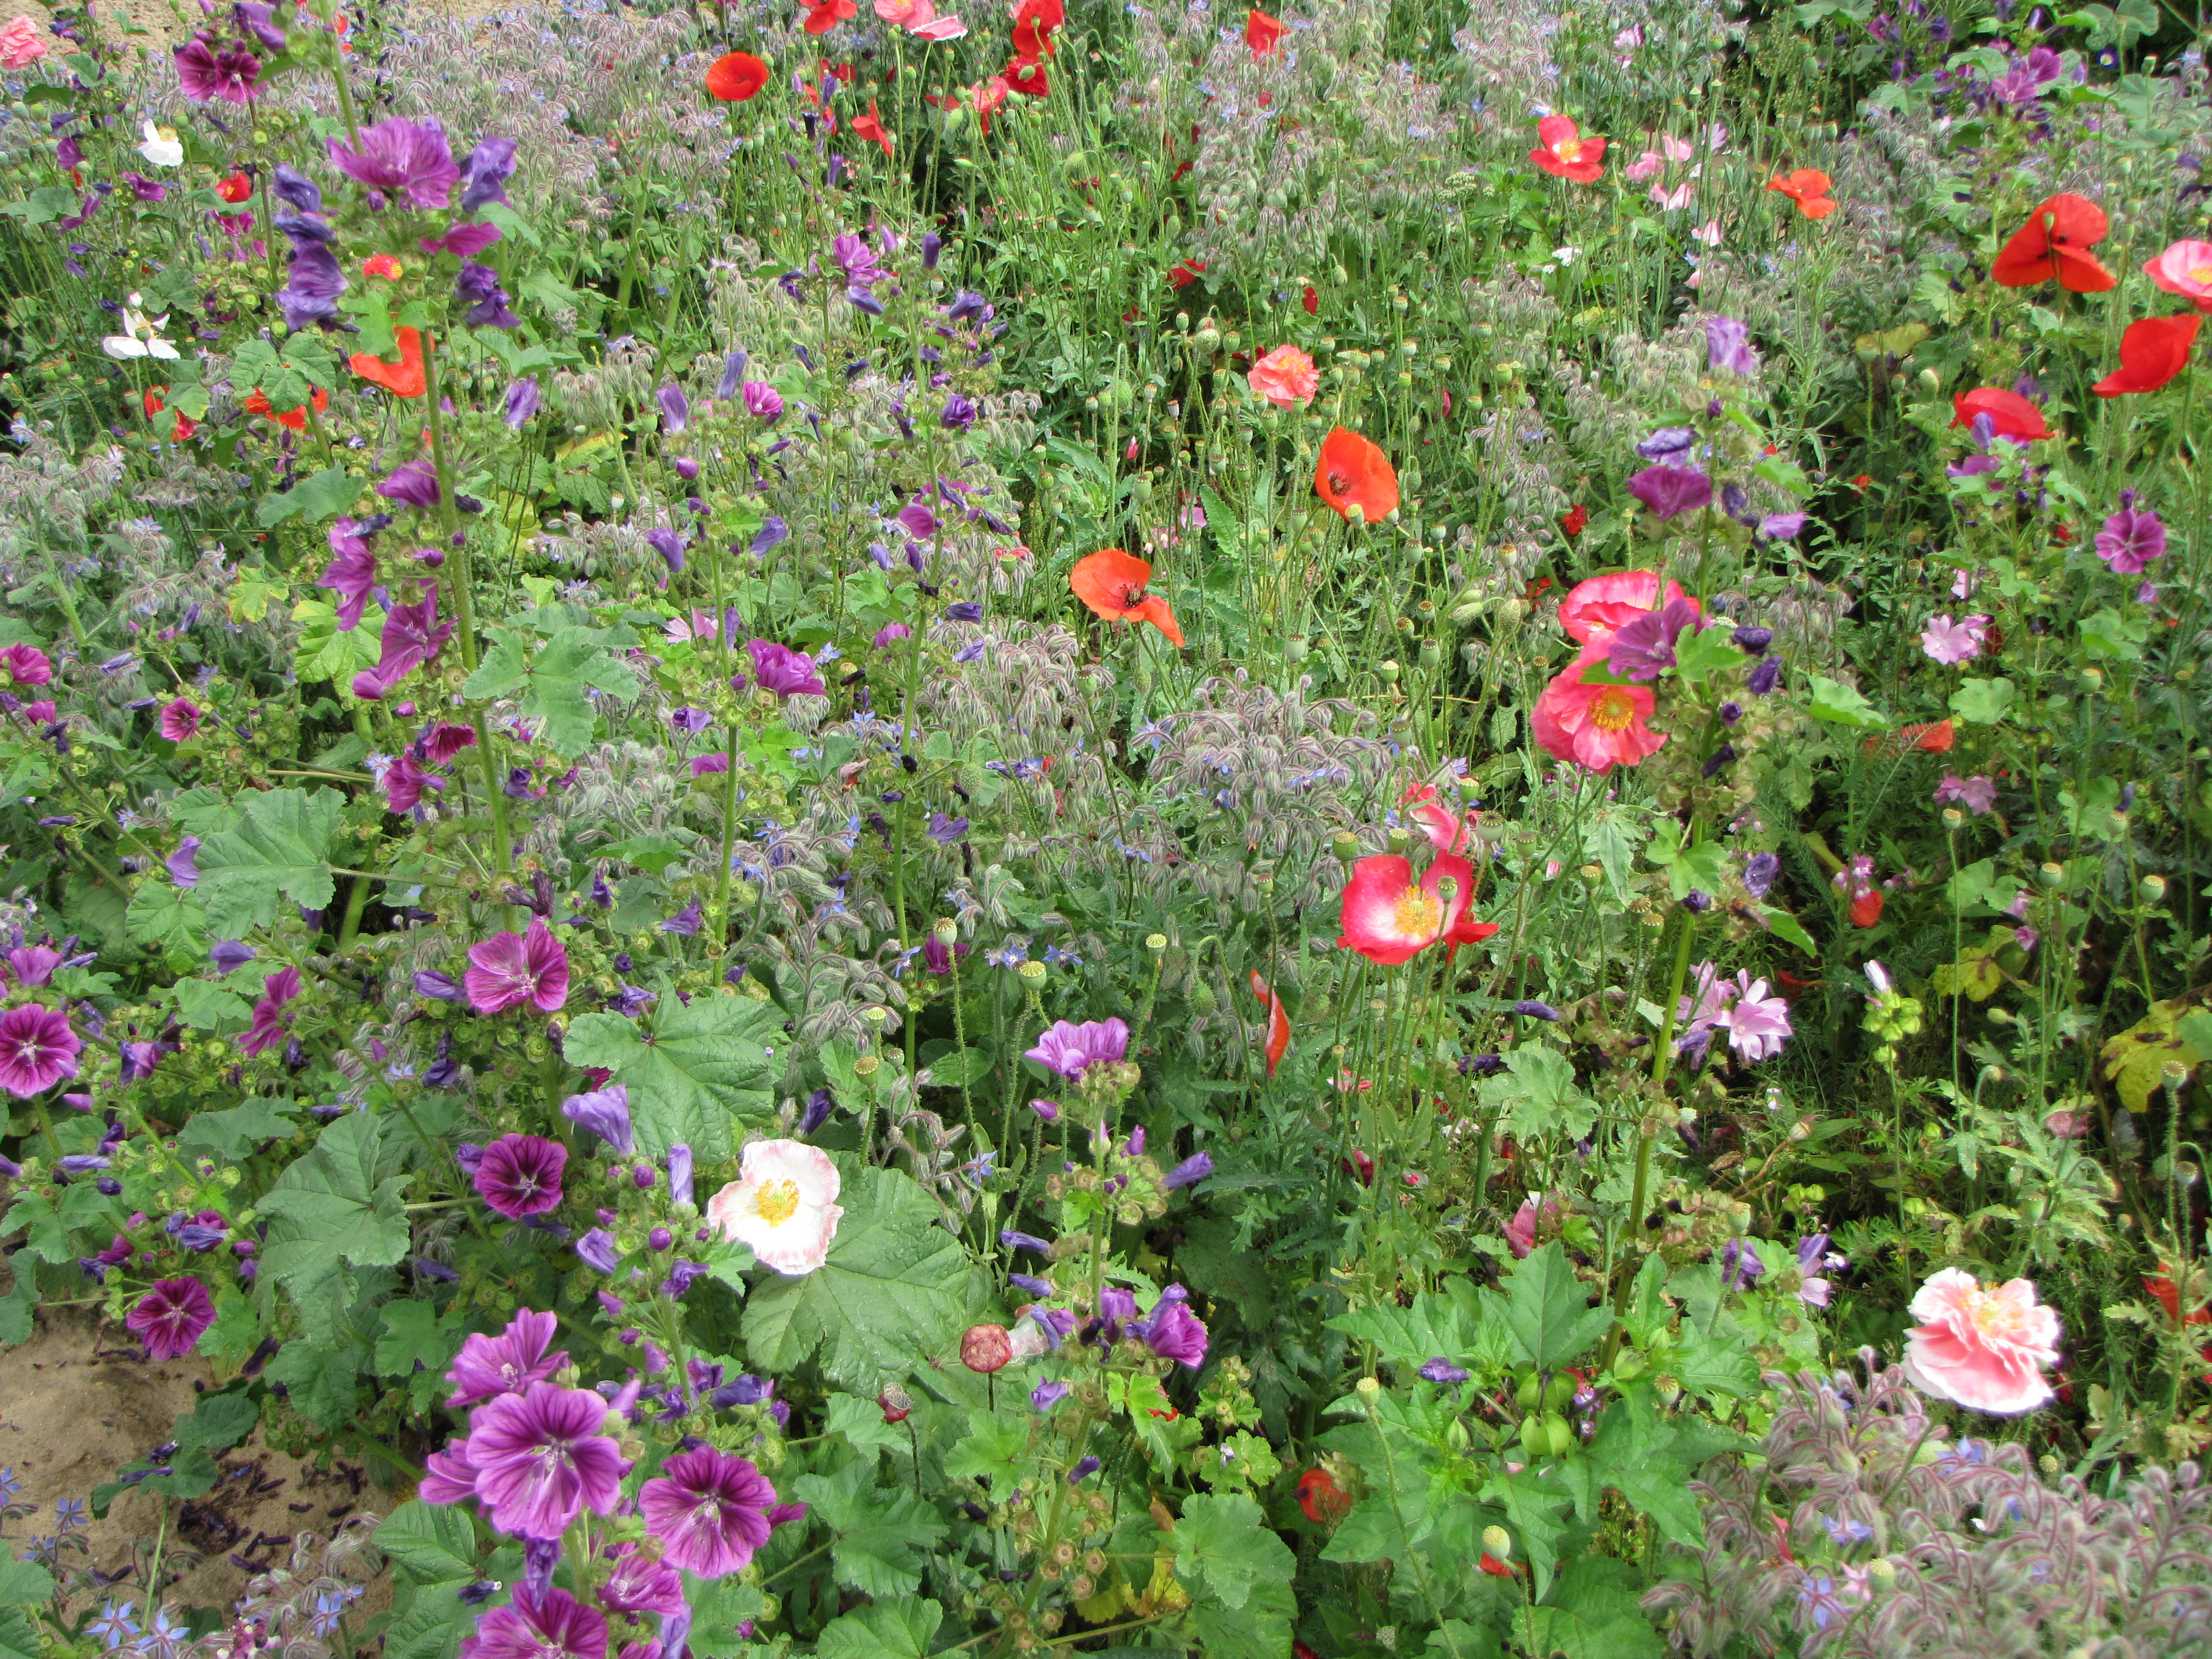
[(412, 635), (1071, 1050), (510, 969), (179, 719), (170, 1318), (783, 670), (1173, 1332), (762, 401), (24, 665), (271, 1025), (1669, 491), (351, 573), (540, 1459), (405, 780), (219, 69), (1950, 642), (640, 1583), (2131, 538), (553, 1626), (507, 1364), (37, 1049), (401, 157), (1643, 646), (1976, 794), (710, 1511), (520, 1175)]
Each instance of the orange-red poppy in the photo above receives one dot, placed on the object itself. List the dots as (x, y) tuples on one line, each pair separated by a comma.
[(2152, 352), (823, 15), (403, 379), (1278, 1022), (184, 428), (381, 264), (1027, 77), (257, 403), (1808, 188), (2054, 246), (1866, 908), (1575, 520), (1496, 1568), (1261, 32), (735, 76), (871, 127), (1182, 276), (1563, 152), (2012, 415), (153, 401), (1935, 737), (235, 189), (1354, 472), (1112, 583), (1324, 1502)]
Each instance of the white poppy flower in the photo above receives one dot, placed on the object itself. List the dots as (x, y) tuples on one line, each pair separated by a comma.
[(783, 1206), (140, 338), (162, 146)]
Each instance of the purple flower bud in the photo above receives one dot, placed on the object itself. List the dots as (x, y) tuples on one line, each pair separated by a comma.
[(1047, 1109), (1764, 676), (438, 987), (932, 245), (686, 468), (1535, 1010), (521, 402), (596, 1249), (680, 1173), (660, 1239), (1194, 1168), (733, 374), (816, 1112), (675, 408)]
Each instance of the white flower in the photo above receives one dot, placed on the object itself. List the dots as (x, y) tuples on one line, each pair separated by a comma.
[(1566, 256), (1709, 232), (162, 146), (140, 338), (782, 1207)]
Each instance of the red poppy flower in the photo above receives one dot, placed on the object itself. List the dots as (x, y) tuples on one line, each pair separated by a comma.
[(403, 379), (1312, 301), (1866, 908), (1861, 482), (843, 72), (1359, 1164), (1389, 918), (235, 189), (2152, 352), (736, 76), (1027, 77), (1032, 40), (1808, 188), (1564, 153), (1278, 1022), (868, 127), (257, 403), (1112, 583), (1321, 1498), (1496, 1568), (153, 402), (1354, 472), (1574, 519), (2169, 1298), (2012, 415), (2054, 246), (184, 428), (1182, 276), (1300, 1650), (1261, 32), (823, 15), (380, 264)]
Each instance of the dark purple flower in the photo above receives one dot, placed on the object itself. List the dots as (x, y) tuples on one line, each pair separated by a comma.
[(1032, 1284), (605, 1113), (484, 173), (1669, 491), (2131, 538), (818, 1111), (1173, 1332), (507, 1364), (1071, 1050), (229, 955), (171, 1317), (675, 408), (960, 412), (685, 922), (221, 70), (783, 670), (288, 184), (310, 295), (1753, 641), (556, 1628), (670, 546), (1085, 1465), (1643, 646), (541, 1459), (415, 483), (412, 636), (1014, 1241), (260, 22), (708, 1509), (399, 156), (1764, 675), (1195, 1168), (477, 288), (520, 1175), (733, 375), (1758, 873), (945, 831), (774, 532), (1535, 1010), (183, 865)]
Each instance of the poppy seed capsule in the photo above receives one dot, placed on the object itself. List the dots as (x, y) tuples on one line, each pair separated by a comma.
[(986, 1348)]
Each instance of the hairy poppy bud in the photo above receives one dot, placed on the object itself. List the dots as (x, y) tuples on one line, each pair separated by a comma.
[(986, 1348)]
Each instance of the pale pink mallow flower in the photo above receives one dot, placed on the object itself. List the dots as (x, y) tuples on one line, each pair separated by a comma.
[(1983, 1346), (1646, 165), (509, 969), (1950, 642), (1757, 1025), (1976, 794), (1669, 201), (782, 1207)]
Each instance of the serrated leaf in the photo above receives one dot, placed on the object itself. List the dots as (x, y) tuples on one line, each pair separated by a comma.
[(1982, 702), (1539, 1086), (329, 1207), (1239, 1574), (889, 1293), (903, 1630), (993, 1450), (205, 1005), (1593, 1614), (697, 1067), (720, 1609), (434, 1624), (883, 1533), (1545, 1309), (219, 1422), (282, 847), (235, 1132), (433, 1541), (24, 1583), (551, 682), (1841, 705), (320, 1384), (15, 1321), (325, 495), (167, 917), (861, 1422), (417, 1344)]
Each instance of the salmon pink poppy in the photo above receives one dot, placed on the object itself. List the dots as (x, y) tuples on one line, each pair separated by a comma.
[(1595, 726), (404, 378), (2012, 415), (1261, 32), (1286, 376), (2054, 246), (1445, 828), (1983, 1346), (1593, 610), (2184, 269), (1808, 188), (2152, 352), (1112, 583), (1355, 473), (736, 76), (1390, 918), (1564, 153), (823, 15), (871, 127), (1278, 1022)]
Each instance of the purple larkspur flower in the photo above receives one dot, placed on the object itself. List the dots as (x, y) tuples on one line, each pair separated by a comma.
[(605, 1113), (401, 157), (521, 403), (520, 1175), (1192, 1170), (710, 1511), (507, 1364), (477, 288), (541, 1459), (1071, 1050)]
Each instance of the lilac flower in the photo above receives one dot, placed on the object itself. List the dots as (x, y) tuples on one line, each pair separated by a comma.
[(774, 532), (1812, 1253), (596, 1249), (510, 969), (685, 922), (398, 156), (675, 408), (1670, 491), (1643, 646), (762, 401), (1782, 526), (710, 1511), (477, 288), (507, 1364), (783, 670), (670, 546), (183, 865), (605, 1113), (1014, 1241), (1046, 1394), (484, 173), (943, 831), (2131, 538), (1671, 444), (1441, 1369), (1071, 1050), (310, 296), (271, 1025), (288, 184), (643, 1583), (1977, 794), (960, 412), (171, 1317), (1727, 347), (541, 1460), (1950, 642), (1192, 1170), (521, 402), (1757, 1025), (520, 1175), (733, 375), (1740, 1264), (680, 1173), (557, 1627)]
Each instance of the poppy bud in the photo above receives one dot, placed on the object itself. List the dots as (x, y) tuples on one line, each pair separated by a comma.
[(986, 1348), (1345, 845)]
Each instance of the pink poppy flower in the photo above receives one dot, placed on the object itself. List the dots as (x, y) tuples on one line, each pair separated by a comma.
[(179, 719), (171, 1317), (2184, 269), (1446, 830), (510, 969), (1976, 794), (37, 1049), (1603, 603), (1389, 918), (20, 45), (1286, 376), (1595, 726), (782, 1207), (1950, 642), (1983, 1346)]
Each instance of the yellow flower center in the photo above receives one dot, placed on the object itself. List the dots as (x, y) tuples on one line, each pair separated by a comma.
[(1612, 710), (1417, 912), (2200, 275), (778, 1202), (1570, 150)]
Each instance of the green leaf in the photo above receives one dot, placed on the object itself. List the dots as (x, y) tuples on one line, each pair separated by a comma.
[(1539, 1087), (1786, 926), (24, 1584), (1784, 475), (417, 1344), (890, 1294), (19, 1638), (321, 1382), (15, 1323), (1710, 1365), (325, 495), (1635, 1454), (1840, 705), (433, 1541), (329, 1207), (861, 1422), (434, 1624), (552, 683), (650, 853), (206, 1004), (1706, 651), (719, 1607), (1546, 1307), (1239, 1574), (697, 1067), (236, 1133), (167, 917), (1982, 702), (219, 1422), (993, 1450), (1592, 1614), (282, 847), (883, 1533), (901, 1630)]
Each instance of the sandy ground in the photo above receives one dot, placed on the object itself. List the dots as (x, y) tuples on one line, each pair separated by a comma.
[(77, 1403), (157, 23)]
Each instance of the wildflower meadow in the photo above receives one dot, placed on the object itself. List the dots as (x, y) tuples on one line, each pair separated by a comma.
[(1124, 829)]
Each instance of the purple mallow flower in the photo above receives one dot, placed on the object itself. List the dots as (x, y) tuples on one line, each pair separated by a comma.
[(1669, 491), (401, 157), (507, 1364), (520, 1175), (605, 1113), (783, 670), (1071, 1050), (711, 1512)]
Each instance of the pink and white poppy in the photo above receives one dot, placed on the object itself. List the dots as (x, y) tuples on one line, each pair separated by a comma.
[(782, 1207), (1983, 1346)]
